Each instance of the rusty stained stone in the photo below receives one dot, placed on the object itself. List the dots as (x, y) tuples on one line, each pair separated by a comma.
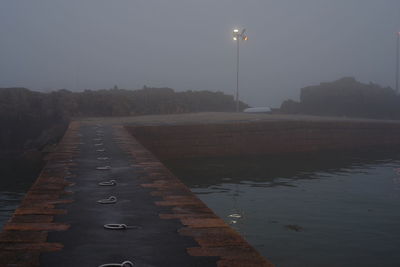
[(23, 236), (60, 192), (53, 180), (56, 165), (204, 223), (204, 232), (150, 162), (45, 246), (214, 237), (32, 218), (179, 203), (36, 192), (48, 170), (34, 196), (140, 173), (156, 171), (163, 186), (142, 158), (244, 253), (166, 182), (166, 216), (158, 183), (149, 165), (44, 211), (60, 201), (171, 192), (49, 187), (53, 172), (186, 198), (45, 175), (38, 204), (170, 185), (160, 172), (36, 226), (44, 202), (155, 178), (189, 209), (161, 193), (243, 263)]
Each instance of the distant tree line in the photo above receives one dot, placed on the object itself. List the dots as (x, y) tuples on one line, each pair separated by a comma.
[(32, 119), (346, 97)]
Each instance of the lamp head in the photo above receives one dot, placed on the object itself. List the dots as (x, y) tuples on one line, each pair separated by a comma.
[(239, 35)]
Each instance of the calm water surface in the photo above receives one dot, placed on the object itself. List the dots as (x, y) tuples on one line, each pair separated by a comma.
[(314, 211), (307, 211), (16, 176)]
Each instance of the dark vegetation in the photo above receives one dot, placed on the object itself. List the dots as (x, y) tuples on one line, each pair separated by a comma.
[(346, 97), (30, 121)]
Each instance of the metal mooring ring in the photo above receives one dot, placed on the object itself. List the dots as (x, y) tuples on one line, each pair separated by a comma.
[(123, 264), (108, 183), (103, 168), (110, 200), (116, 226), (119, 226)]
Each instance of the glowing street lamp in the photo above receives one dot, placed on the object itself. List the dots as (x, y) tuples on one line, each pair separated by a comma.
[(237, 36)]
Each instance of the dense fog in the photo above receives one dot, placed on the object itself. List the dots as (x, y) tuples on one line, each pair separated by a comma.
[(187, 45)]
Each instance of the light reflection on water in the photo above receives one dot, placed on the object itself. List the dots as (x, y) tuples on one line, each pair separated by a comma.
[(316, 211)]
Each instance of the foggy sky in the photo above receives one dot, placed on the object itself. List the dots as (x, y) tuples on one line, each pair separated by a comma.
[(187, 45)]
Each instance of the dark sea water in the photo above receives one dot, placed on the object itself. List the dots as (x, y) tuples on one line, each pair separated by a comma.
[(336, 210), (16, 177)]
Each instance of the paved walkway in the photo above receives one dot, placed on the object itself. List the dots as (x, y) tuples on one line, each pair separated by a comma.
[(61, 223)]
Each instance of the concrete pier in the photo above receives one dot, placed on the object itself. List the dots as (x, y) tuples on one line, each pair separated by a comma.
[(61, 223)]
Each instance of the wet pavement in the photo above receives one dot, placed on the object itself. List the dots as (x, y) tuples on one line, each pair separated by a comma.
[(159, 221), (153, 241)]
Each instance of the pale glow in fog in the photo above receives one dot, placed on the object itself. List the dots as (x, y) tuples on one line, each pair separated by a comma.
[(98, 44)]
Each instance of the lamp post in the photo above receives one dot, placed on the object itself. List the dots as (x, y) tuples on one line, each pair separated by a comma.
[(397, 61), (237, 36)]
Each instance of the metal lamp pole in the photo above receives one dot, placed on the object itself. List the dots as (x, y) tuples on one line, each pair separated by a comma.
[(237, 35), (237, 76), (397, 62)]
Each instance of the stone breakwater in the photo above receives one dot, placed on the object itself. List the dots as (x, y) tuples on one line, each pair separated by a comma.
[(265, 137), (61, 222)]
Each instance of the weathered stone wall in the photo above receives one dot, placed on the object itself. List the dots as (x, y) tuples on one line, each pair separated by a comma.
[(270, 137)]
